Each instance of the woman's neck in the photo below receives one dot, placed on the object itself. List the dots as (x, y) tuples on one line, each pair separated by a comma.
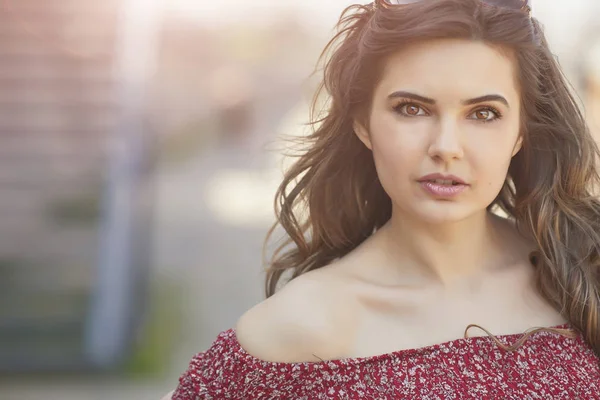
[(447, 255)]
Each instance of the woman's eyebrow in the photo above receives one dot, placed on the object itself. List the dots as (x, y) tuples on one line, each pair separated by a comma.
[(413, 96), (489, 97)]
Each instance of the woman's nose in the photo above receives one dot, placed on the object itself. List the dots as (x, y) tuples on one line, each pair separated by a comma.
[(446, 143)]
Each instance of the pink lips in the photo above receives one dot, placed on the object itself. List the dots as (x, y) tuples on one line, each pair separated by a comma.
[(441, 190)]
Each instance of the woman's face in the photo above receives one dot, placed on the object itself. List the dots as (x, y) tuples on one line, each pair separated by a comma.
[(446, 107)]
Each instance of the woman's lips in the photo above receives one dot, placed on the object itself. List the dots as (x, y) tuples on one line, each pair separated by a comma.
[(440, 190)]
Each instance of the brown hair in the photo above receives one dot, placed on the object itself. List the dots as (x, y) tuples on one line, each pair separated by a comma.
[(330, 200)]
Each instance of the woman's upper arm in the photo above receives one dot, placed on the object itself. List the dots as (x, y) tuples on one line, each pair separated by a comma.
[(169, 396)]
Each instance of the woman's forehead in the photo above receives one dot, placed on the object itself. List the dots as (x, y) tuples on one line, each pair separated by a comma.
[(451, 65)]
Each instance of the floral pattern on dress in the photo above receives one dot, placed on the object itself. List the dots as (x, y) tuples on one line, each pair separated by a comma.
[(547, 366)]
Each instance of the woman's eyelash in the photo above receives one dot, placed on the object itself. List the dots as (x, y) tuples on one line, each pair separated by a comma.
[(491, 109), (498, 115), (398, 107)]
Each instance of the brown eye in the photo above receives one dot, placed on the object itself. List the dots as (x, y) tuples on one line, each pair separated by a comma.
[(410, 110), (486, 115), (482, 114)]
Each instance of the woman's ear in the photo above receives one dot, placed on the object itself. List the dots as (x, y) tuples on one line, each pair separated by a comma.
[(518, 146), (363, 134)]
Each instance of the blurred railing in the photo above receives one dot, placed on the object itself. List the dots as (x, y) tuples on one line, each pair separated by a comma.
[(58, 117)]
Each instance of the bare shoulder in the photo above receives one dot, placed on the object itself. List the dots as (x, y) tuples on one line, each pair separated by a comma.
[(299, 323), (169, 396)]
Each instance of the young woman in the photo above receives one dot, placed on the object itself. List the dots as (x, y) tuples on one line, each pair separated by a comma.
[(449, 184)]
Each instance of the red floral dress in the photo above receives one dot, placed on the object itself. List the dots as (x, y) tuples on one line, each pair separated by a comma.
[(547, 366)]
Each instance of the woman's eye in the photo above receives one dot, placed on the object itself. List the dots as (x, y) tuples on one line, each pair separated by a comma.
[(410, 109), (485, 115)]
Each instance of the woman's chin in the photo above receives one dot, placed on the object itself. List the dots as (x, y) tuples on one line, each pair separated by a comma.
[(443, 212)]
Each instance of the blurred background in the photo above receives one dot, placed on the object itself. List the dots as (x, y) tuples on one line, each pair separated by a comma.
[(138, 163)]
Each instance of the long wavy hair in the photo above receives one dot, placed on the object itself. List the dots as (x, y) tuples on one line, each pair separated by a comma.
[(330, 199)]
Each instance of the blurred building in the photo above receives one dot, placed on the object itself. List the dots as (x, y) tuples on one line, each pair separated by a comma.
[(58, 116)]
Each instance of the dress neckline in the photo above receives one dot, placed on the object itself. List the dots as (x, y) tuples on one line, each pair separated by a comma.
[(454, 343)]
